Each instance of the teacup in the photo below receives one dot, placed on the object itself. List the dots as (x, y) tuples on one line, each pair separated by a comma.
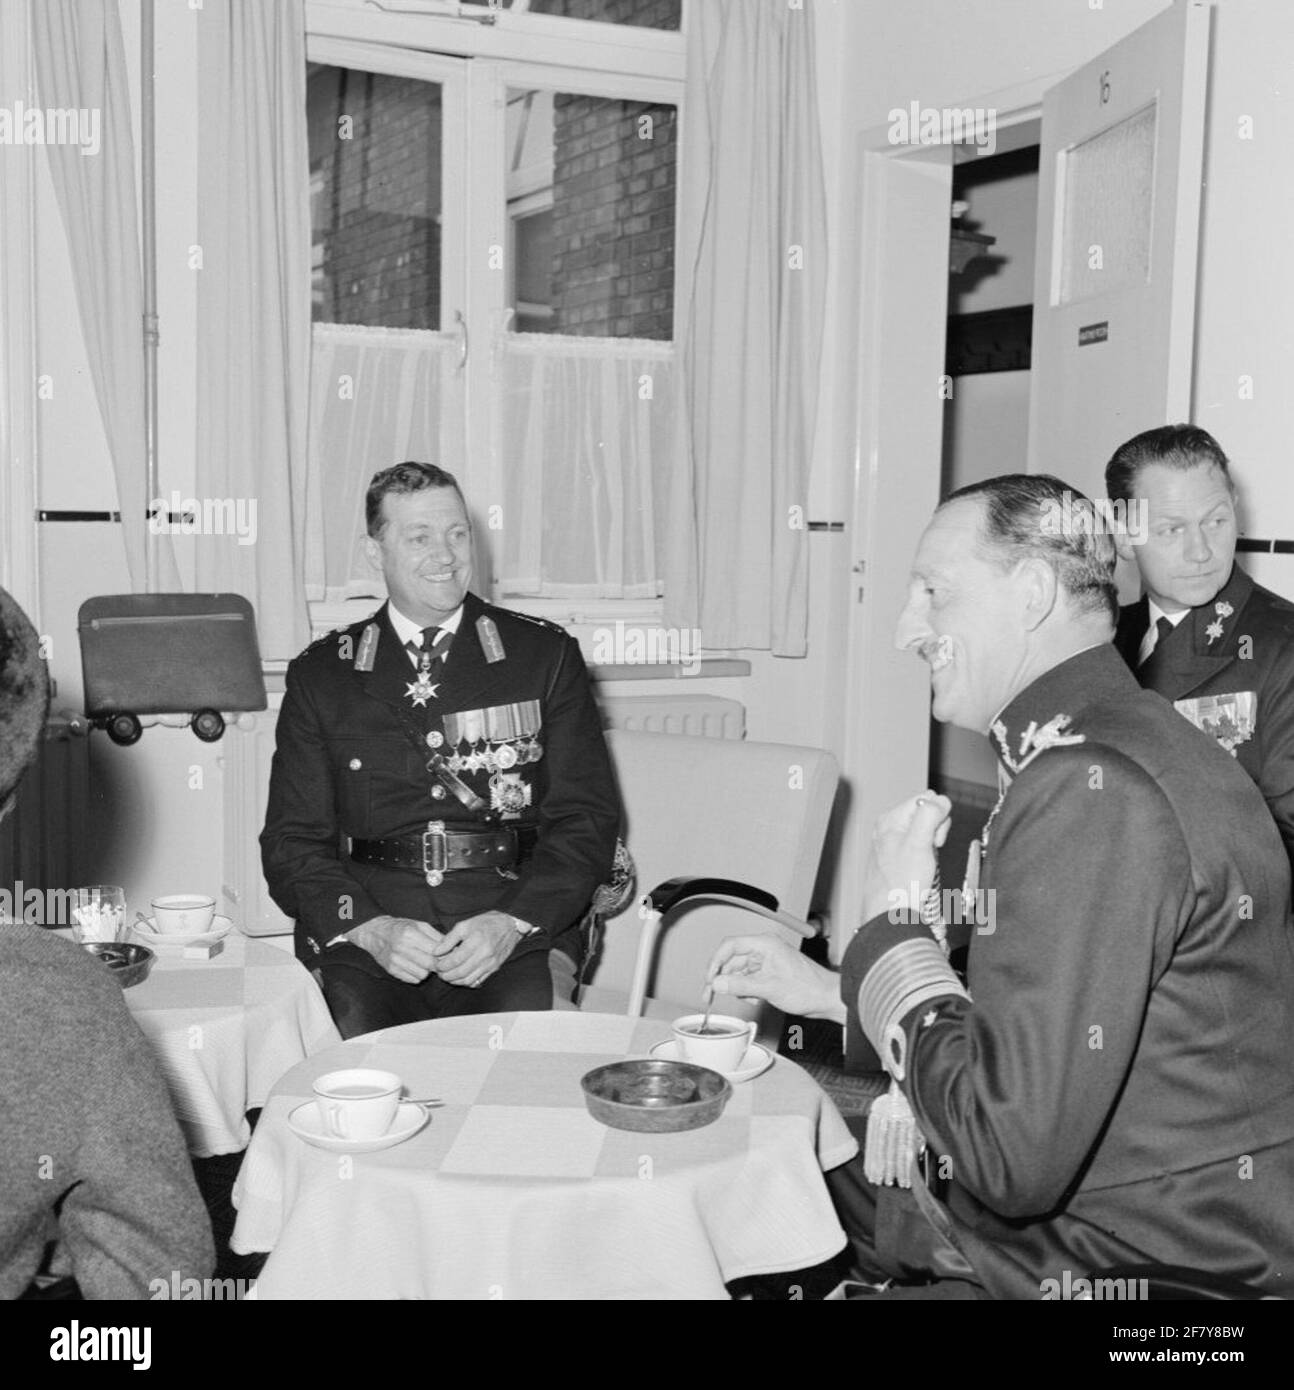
[(357, 1103), (183, 912), (721, 1047)]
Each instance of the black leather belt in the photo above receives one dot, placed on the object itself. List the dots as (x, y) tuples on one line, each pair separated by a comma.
[(437, 851)]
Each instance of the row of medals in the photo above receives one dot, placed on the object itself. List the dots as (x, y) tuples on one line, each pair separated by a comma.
[(488, 757)]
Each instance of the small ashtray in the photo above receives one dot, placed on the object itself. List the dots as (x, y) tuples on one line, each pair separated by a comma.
[(128, 962), (655, 1096)]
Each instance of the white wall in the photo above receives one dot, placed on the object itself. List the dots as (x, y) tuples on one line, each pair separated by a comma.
[(950, 52), (1246, 283), (956, 52)]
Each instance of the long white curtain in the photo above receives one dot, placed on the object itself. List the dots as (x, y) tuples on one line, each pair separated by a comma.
[(585, 435), (752, 259), (254, 305), (378, 396), (81, 66)]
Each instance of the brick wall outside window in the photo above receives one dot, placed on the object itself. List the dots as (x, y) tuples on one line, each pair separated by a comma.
[(613, 218), (377, 200), (377, 212)]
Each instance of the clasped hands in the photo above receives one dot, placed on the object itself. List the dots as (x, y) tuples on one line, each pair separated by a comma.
[(410, 950), (900, 868)]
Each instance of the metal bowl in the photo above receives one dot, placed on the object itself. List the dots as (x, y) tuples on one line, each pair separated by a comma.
[(655, 1096), (128, 962)]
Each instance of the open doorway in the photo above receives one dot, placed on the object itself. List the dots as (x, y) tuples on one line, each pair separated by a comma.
[(986, 417)]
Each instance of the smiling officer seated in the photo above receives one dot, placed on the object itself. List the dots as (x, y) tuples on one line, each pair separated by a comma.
[(1112, 1084), (441, 805)]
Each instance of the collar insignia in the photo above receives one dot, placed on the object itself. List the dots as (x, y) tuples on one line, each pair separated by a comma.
[(1214, 630)]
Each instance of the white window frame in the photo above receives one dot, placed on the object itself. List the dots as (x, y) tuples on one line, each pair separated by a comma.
[(417, 38)]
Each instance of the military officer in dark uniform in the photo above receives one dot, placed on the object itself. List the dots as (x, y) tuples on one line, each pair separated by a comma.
[(1112, 1084), (441, 804), (1204, 635)]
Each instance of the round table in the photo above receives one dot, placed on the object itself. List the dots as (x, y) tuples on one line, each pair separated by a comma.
[(513, 1191), (224, 1030)]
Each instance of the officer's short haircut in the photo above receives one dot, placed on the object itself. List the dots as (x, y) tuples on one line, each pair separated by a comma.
[(1173, 446), (24, 694), (1033, 515), (403, 478)]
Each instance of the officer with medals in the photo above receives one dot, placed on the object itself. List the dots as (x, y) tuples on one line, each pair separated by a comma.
[(1109, 1086), (1204, 635), (442, 806)]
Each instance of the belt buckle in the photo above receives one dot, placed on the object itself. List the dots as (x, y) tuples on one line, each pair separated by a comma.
[(432, 871)]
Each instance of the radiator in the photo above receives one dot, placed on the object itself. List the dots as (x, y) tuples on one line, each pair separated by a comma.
[(42, 839), (706, 716)]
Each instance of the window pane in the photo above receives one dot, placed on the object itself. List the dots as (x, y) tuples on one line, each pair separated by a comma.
[(590, 192), (645, 14), (375, 197), (1109, 184)]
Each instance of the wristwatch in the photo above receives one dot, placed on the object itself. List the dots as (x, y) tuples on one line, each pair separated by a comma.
[(523, 929)]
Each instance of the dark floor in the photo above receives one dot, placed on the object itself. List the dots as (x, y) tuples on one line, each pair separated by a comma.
[(215, 1178)]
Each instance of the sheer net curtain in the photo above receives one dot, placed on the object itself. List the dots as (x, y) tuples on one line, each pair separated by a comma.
[(584, 436), (582, 433), (377, 396)]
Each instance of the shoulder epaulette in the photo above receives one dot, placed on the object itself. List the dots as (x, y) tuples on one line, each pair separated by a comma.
[(319, 641), (538, 622), (352, 630)]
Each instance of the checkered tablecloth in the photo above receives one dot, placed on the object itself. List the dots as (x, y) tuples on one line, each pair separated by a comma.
[(225, 1030), (513, 1191)]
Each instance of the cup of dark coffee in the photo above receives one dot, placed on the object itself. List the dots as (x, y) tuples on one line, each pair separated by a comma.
[(718, 1043), (357, 1103)]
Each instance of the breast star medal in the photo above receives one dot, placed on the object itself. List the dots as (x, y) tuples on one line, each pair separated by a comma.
[(421, 690)]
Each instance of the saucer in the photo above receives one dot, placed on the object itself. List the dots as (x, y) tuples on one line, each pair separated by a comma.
[(757, 1059), (305, 1123), (219, 929)]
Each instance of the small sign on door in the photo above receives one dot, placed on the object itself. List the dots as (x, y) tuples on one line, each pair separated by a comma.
[(1094, 333)]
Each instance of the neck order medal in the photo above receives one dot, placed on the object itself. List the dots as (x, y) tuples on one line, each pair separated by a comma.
[(421, 690)]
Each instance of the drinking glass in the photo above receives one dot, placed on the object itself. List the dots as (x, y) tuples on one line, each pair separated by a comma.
[(98, 913)]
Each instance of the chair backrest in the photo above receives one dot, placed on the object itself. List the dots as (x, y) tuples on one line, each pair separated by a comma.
[(724, 808)]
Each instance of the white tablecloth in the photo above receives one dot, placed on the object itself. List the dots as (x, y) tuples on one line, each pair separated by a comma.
[(225, 1030), (514, 1191)]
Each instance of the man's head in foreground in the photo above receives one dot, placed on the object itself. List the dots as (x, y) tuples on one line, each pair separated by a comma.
[(1011, 577), (24, 697), (420, 537), (1181, 476)]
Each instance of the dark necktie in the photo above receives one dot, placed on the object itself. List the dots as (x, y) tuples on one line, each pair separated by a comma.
[(435, 642), (1161, 630)]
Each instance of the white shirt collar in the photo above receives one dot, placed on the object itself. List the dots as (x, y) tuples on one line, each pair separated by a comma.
[(1156, 612), (409, 631)]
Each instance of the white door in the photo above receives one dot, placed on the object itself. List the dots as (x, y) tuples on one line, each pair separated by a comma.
[(1118, 231), (903, 309)]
